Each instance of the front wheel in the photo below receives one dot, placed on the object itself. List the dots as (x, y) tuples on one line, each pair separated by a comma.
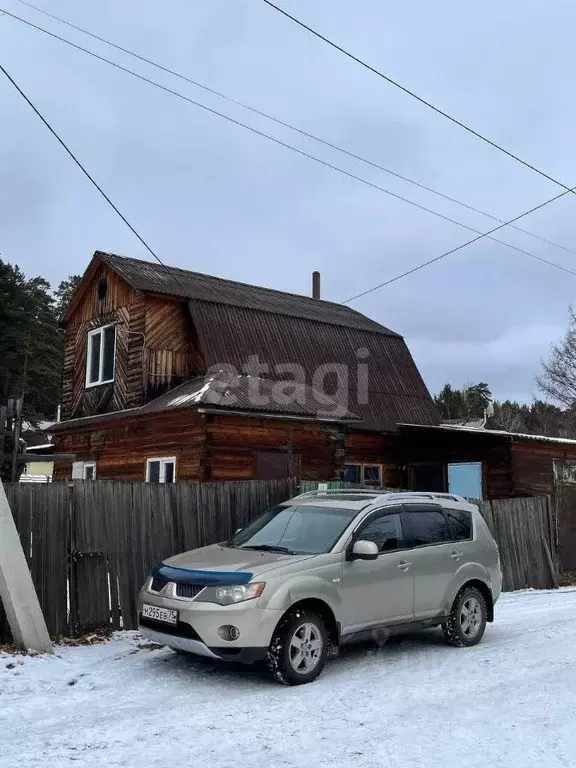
[(298, 650), (467, 621)]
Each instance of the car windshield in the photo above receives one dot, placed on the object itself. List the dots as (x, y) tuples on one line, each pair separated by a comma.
[(296, 529)]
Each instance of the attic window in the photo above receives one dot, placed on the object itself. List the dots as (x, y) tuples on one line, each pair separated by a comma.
[(102, 289), (100, 356)]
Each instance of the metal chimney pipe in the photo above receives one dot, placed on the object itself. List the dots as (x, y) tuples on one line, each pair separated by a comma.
[(315, 285)]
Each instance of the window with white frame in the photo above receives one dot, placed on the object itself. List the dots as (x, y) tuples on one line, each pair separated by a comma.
[(84, 470), (100, 357), (89, 470), (161, 470)]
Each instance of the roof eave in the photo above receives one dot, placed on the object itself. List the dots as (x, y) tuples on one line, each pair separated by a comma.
[(281, 416)]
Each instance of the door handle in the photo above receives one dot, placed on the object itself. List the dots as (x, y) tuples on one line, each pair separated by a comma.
[(404, 565), (456, 555)]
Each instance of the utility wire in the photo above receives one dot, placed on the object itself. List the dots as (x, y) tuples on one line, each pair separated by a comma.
[(285, 124), (82, 168), (294, 149), (414, 95), (458, 248)]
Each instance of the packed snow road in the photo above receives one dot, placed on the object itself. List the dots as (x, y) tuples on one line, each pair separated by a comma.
[(511, 701)]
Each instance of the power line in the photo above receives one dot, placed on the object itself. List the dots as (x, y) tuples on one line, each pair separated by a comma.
[(82, 168), (294, 149), (459, 248), (414, 95), (285, 124)]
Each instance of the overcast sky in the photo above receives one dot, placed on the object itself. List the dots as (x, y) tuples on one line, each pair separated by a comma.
[(213, 197)]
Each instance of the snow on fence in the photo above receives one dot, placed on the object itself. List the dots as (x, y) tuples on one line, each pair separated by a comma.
[(90, 545)]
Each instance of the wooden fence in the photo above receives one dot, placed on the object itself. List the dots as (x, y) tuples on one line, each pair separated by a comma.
[(90, 545), (566, 506), (525, 531)]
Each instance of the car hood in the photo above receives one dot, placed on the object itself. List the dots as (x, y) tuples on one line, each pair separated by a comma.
[(219, 558)]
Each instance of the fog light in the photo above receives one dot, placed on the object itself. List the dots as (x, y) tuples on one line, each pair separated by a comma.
[(229, 632)]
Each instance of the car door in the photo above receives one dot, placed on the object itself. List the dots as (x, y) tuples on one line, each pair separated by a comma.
[(432, 556), (382, 590)]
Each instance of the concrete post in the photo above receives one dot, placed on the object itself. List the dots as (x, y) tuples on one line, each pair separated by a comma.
[(17, 589)]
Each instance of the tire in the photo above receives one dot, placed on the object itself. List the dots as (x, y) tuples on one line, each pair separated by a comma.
[(299, 647), (467, 622)]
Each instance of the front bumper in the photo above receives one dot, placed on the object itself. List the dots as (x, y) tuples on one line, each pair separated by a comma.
[(244, 655), (199, 622)]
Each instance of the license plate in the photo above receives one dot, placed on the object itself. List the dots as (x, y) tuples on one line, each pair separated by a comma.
[(165, 615)]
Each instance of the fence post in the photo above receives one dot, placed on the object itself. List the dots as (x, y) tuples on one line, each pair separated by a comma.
[(17, 589)]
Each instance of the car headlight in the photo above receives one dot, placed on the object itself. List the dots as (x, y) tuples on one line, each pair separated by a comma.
[(235, 593)]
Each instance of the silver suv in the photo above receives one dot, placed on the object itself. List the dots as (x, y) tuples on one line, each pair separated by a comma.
[(324, 569)]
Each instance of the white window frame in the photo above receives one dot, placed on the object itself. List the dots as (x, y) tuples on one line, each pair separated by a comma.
[(89, 342), (79, 469), (89, 465), (164, 460)]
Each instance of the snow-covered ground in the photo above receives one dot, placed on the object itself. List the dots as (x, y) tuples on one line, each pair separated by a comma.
[(511, 701)]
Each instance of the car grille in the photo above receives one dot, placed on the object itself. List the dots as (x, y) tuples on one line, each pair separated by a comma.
[(158, 584), (188, 590)]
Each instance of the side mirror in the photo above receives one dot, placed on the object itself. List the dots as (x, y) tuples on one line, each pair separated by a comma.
[(364, 550)]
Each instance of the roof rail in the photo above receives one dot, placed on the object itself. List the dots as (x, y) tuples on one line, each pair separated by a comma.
[(380, 496), (338, 492), (420, 495)]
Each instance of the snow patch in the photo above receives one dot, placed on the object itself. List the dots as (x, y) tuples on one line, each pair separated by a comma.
[(193, 397)]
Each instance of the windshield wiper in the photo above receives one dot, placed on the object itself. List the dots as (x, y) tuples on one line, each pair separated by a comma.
[(268, 548)]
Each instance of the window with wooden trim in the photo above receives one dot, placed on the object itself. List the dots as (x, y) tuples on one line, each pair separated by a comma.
[(363, 474), (161, 470), (372, 474), (100, 355)]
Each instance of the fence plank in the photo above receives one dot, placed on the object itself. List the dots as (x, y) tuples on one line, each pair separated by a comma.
[(116, 531)]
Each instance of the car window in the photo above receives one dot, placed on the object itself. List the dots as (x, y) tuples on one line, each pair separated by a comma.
[(428, 526), (460, 523), (385, 531), (296, 528)]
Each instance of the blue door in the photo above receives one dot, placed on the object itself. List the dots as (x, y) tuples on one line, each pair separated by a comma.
[(466, 479)]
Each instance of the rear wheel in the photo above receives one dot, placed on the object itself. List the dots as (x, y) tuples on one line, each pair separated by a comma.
[(467, 621), (298, 650)]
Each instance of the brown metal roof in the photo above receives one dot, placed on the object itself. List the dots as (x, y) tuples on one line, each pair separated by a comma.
[(154, 278), (229, 335)]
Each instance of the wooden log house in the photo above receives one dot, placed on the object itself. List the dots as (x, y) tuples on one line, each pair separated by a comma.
[(159, 384)]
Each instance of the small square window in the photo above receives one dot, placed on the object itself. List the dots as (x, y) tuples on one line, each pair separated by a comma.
[(372, 474), (84, 470), (100, 355), (161, 470)]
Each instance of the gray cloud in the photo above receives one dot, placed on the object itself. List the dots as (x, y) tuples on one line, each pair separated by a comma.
[(212, 197)]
